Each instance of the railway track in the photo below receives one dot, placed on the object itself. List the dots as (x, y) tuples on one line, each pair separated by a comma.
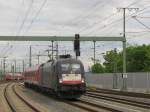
[(3, 82), (7, 99), (106, 95), (91, 107), (16, 102), (115, 92), (86, 105)]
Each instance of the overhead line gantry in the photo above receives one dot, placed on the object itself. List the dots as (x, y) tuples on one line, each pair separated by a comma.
[(60, 38)]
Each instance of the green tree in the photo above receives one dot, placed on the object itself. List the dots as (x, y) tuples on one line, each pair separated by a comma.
[(138, 59), (97, 68), (110, 61)]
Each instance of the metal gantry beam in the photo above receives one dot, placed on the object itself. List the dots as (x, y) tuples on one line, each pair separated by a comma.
[(60, 38)]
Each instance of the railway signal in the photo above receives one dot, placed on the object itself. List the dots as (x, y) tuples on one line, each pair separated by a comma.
[(77, 45)]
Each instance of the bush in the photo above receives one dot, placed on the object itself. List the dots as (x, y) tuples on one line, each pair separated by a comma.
[(97, 68)]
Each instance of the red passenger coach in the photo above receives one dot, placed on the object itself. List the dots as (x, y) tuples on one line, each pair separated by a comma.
[(31, 75), (13, 76), (18, 76), (9, 76)]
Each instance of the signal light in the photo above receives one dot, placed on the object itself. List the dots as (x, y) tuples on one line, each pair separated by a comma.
[(77, 42), (77, 53)]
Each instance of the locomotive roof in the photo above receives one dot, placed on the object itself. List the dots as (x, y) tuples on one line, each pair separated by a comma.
[(62, 60), (68, 60)]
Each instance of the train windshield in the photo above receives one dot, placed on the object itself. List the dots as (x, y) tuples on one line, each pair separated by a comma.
[(70, 67), (75, 67), (65, 67)]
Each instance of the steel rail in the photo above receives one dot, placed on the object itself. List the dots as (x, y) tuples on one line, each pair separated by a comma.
[(119, 100), (26, 102), (100, 106), (87, 104), (81, 107), (7, 99), (122, 93), (3, 82)]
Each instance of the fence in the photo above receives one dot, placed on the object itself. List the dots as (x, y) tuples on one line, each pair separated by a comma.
[(135, 81)]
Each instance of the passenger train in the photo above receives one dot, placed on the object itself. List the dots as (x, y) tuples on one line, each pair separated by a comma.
[(13, 76), (62, 77)]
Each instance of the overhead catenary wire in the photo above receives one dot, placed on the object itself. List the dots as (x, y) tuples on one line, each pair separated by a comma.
[(35, 17), (142, 17), (139, 11), (133, 3), (118, 20), (141, 23), (104, 19), (3, 49), (84, 15), (19, 13), (7, 50), (25, 18), (11, 46), (139, 35), (146, 11), (22, 4), (97, 22), (138, 31), (136, 15)]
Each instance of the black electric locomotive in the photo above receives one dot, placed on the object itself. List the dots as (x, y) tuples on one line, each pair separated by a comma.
[(64, 77)]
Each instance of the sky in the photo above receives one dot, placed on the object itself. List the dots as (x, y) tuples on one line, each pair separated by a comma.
[(67, 18)]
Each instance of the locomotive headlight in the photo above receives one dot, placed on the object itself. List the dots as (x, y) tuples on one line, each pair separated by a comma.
[(82, 80), (60, 80)]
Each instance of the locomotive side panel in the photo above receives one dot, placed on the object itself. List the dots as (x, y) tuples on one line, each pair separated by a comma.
[(54, 78), (48, 78), (45, 77)]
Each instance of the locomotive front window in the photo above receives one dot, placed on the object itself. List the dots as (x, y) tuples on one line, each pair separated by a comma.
[(75, 67), (65, 67), (70, 67)]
